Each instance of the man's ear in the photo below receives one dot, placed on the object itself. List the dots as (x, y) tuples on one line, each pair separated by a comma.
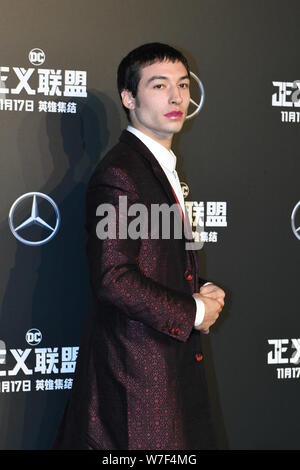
[(127, 99)]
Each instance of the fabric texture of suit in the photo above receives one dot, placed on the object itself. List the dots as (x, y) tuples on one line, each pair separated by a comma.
[(140, 380)]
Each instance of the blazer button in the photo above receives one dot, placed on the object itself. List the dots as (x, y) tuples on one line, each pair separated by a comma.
[(188, 276), (198, 357)]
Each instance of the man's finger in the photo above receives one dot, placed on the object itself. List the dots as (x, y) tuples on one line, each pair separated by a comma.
[(208, 289), (205, 331)]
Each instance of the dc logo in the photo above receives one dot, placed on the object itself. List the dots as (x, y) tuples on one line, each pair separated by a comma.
[(185, 189), (33, 337), (36, 56)]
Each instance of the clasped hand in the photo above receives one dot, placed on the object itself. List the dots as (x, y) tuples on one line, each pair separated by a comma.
[(213, 298)]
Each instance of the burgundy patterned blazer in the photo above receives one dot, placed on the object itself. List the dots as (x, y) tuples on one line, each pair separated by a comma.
[(139, 380)]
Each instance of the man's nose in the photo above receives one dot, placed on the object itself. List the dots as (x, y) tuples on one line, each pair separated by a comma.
[(175, 95)]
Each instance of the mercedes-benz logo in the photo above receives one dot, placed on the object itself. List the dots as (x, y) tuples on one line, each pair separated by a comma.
[(294, 224), (33, 219), (198, 105)]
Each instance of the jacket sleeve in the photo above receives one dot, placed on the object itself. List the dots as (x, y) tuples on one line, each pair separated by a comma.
[(114, 273)]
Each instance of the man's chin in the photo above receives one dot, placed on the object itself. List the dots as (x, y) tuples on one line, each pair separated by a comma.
[(176, 127)]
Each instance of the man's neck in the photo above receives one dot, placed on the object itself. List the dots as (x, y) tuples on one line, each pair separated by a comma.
[(164, 140)]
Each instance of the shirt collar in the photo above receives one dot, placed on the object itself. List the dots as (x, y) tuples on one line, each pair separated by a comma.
[(166, 158)]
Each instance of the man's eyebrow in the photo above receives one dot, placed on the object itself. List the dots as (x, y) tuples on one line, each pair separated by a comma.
[(162, 77)]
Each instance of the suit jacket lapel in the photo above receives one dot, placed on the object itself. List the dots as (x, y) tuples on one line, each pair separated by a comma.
[(130, 139), (140, 147)]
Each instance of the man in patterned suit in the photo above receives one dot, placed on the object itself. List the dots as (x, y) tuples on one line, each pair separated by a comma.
[(140, 380)]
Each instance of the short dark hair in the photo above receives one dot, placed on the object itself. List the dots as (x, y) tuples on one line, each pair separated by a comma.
[(130, 67)]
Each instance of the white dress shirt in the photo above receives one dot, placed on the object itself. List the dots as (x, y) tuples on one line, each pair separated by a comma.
[(167, 160)]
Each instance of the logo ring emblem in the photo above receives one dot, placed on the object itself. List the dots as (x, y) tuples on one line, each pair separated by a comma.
[(198, 105), (293, 217), (34, 219), (36, 56), (185, 189)]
